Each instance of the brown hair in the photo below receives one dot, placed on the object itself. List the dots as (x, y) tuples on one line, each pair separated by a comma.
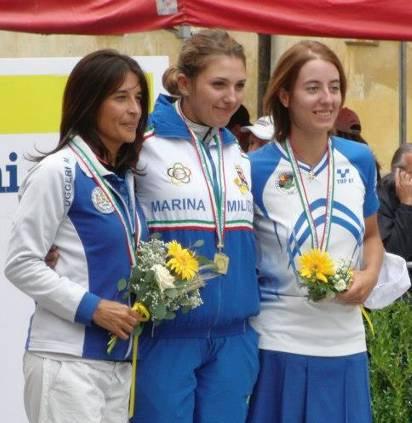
[(285, 76), (195, 55), (92, 80)]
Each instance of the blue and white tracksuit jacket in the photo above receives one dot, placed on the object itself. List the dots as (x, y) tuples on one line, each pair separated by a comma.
[(60, 204), (175, 199)]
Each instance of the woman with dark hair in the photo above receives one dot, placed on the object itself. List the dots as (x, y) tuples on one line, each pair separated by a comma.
[(81, 199), (201, 366), (312, 191)]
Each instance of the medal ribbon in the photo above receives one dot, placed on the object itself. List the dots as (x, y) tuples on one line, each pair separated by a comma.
[(216, 184), (322, 244), (108, 191), (131, 244)]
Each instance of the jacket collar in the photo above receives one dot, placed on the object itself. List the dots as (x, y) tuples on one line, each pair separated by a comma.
[(77, 140), (168, 124)]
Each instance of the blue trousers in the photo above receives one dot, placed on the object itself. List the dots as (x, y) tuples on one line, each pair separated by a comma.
[(196, 380)]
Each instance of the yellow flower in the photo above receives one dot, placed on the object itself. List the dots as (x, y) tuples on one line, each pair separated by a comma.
[(173, 248), (316, 263), (182, 262)]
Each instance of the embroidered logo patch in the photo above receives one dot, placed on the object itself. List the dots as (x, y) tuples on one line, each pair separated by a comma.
[(241, 180), (101, 202), (342, 172), (343, 176), (284, 182), (179, 174)]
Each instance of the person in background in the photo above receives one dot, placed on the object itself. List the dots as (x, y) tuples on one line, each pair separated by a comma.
[(348, 126), (194, 185), (239, 120), (395, 211), (80, 198), (312, 191), (260, 132)]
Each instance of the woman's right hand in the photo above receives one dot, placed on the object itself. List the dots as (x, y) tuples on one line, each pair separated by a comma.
[(52, 257), (119, 319), (403, 185)]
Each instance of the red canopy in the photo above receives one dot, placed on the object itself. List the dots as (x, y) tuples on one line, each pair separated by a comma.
[(371, 19)]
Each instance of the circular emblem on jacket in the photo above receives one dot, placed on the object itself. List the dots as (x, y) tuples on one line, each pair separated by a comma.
[(101, 202), (284, 182), (179, 174)]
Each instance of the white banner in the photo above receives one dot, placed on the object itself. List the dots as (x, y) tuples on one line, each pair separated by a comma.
[(30, 103)]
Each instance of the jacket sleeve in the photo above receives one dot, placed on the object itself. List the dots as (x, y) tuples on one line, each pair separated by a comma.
[(45, 197), (395, 224)]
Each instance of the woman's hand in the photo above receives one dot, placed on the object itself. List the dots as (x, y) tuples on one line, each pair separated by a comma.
[(360, 288), (403, 185), (52, 257), (117, 318)]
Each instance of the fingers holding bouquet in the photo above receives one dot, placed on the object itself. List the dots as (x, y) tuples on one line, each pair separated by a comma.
[(119, 319), (359, 288), (325, 278), (166, 279)]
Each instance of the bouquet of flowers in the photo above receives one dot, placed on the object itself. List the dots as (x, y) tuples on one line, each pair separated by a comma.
[(166, 279), (322, 278)]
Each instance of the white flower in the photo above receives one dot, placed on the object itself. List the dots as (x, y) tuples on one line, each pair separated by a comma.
[(163, 277), (330, 295), (340, 285)]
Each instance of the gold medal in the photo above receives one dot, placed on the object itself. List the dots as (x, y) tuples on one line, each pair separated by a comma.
[(221, 262), (214, 176)]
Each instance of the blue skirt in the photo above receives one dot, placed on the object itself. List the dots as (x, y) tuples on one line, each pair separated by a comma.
[(293, 388)]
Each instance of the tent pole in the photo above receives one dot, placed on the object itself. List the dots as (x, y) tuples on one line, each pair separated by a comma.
[(403, 92), (264, 49)]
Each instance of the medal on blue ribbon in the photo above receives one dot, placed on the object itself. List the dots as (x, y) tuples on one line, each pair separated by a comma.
[(216, 185)]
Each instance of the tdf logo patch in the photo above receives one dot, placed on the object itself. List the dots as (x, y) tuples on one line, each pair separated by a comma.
[(343, 176)]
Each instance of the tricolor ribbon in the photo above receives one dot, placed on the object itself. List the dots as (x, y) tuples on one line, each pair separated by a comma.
[(323, 243), (215, 180), (87, 160)]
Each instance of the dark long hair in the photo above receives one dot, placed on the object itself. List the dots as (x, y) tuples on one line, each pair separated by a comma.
[(94, 78)]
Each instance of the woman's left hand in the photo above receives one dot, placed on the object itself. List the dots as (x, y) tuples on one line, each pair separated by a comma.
[(362, 284)]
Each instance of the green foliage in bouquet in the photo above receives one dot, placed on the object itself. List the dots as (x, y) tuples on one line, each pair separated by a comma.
[(166, 279), (318, 273)]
